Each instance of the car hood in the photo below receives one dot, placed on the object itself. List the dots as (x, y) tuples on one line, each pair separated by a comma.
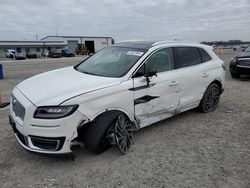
[(54, 87), (243, 55)]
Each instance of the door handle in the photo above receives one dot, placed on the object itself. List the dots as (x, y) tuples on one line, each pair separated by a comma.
[(204, 75), (173, 83)]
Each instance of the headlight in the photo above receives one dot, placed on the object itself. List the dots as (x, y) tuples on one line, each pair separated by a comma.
[(233, 59), (54, 112)]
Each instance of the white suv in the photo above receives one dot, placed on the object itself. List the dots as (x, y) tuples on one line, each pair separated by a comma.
[(10, 53), (103, 100)]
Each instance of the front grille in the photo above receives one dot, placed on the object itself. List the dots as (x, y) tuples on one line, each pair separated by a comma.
[(244, 62), (18, 108), (45, 143)]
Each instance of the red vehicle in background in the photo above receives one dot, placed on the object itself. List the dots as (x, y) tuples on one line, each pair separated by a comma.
[(55, 53)]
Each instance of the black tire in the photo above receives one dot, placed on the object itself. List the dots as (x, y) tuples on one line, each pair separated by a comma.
[(95, 136), (234, 74), (210, 98)]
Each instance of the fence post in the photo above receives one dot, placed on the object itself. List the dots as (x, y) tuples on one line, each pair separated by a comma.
[(1, 71)]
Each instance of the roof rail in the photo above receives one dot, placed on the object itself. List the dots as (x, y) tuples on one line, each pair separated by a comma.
[(171, 41)]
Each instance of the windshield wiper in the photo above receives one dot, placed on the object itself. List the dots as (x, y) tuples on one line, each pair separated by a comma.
[(86, 72)]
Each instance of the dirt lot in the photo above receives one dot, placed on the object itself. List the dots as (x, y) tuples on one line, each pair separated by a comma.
[(188, 150)]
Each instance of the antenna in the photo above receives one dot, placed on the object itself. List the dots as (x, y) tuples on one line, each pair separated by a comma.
[(56, 32)]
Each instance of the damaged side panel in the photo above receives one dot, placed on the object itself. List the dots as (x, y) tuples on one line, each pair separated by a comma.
[(153, 104), (95, 103)]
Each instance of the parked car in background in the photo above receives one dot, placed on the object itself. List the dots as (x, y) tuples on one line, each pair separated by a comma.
[(240, 64), (55, 53), (68, 53), (10, 53), (19, 56), (31, 55), (118, 90)]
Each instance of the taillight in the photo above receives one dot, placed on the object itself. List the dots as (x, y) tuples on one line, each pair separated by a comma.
[(224, 66)]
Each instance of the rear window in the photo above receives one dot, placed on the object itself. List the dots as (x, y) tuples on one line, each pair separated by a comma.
[(186, 56)]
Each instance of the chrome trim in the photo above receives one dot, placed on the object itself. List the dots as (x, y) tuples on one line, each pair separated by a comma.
[(46, 126), (246, 58), (242, 66), (37, 150), (20, 142)]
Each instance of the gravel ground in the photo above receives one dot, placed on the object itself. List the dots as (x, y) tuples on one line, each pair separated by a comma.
[(189, 150)]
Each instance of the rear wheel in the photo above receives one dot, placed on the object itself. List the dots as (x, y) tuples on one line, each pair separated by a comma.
[(210, 99)]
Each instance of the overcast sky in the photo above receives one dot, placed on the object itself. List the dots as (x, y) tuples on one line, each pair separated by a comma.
[(195, 20)]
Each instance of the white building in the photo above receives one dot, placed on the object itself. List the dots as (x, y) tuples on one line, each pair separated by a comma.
[(29, 46), (93, 44)]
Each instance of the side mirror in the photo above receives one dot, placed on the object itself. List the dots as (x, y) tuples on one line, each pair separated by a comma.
[(150, 74), (243, 50)]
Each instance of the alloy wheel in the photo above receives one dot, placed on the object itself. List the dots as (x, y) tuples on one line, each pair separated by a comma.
[(212, 99), (123, 133)]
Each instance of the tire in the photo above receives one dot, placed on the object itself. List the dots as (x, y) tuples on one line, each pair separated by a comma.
[(234, 74), (95, 136), (210, 99)]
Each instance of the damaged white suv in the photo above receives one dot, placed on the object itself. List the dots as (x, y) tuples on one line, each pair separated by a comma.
[(120, 89)]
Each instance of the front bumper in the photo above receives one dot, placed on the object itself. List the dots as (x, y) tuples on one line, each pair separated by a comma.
[(36, 142), (48, 136), (241, 69)]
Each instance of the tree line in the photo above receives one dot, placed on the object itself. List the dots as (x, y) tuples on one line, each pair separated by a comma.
[(226, 43)]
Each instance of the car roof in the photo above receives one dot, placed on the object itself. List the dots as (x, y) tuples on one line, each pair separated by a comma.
[(144, 44), (135, 44)]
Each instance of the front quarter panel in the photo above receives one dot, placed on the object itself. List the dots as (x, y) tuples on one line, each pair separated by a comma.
[(117, 97)]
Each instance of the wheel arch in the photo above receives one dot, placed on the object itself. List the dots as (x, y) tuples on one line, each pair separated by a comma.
[(110, 114), (112, 110), (215, 81), (219, 83)]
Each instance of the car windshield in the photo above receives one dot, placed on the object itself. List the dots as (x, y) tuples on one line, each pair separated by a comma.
[(111, 62), (247, 49)]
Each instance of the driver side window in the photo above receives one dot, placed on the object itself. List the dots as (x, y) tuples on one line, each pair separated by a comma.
[(160, 61)]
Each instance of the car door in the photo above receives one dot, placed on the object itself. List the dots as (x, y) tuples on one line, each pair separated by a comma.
[(191, 76), (155, 96)]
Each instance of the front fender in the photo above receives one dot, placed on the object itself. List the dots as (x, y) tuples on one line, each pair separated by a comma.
[(129, 115), (117, 97)]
